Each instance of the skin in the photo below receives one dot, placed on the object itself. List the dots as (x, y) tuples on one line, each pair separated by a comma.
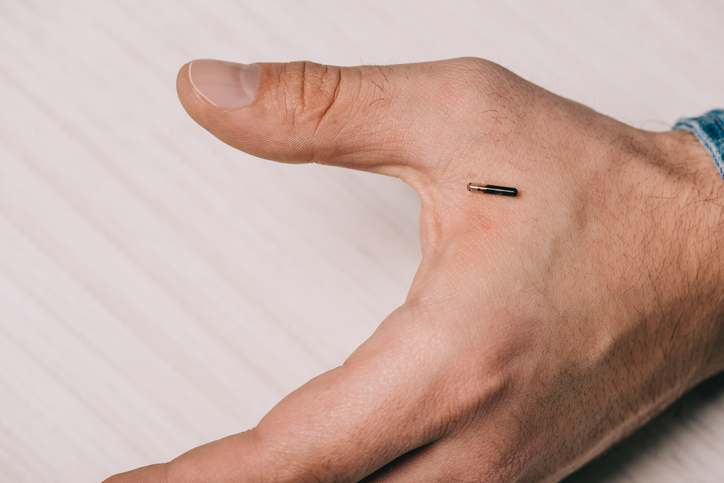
[(538, 330)]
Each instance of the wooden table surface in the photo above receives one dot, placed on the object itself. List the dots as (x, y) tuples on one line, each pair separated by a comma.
[(159, 289)]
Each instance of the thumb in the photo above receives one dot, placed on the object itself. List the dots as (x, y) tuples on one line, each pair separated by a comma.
[(357, 117)]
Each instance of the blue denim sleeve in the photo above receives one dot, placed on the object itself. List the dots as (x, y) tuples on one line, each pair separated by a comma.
[(709, 129)]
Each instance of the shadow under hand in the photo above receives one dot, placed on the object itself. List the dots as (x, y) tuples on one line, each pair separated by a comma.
[(689, 414)]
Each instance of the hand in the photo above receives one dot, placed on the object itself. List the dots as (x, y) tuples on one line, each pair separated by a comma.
[(538, 330)]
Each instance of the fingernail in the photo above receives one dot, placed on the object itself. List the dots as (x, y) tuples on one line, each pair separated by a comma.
[(224, 84)]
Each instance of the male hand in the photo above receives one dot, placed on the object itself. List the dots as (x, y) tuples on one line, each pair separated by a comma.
[(538, 330)]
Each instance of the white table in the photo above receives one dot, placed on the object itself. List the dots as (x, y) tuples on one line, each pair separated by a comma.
[(159, 290)]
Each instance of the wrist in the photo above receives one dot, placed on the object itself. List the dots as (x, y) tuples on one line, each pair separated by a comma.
[(701, 222)]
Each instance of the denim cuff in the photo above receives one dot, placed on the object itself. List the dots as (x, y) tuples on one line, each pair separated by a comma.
[(709, 129)]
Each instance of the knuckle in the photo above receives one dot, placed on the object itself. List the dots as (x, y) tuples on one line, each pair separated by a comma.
[(470, 73), (497, 88), (311, 91)]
